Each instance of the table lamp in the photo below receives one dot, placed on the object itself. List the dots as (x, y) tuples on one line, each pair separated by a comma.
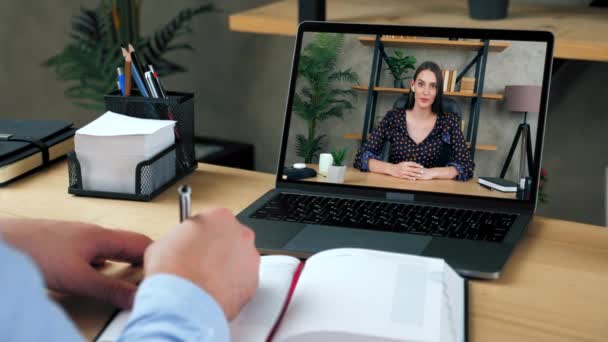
[(522, 98)]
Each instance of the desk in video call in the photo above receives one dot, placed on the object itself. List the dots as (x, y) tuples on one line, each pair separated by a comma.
[(470, 187)]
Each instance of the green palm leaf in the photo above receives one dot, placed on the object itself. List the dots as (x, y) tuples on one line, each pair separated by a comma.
[(154, 48), (319, 99), (90, 60), (307, 148)]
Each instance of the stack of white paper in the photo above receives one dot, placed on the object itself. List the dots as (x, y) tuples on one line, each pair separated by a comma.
[(109, 149)]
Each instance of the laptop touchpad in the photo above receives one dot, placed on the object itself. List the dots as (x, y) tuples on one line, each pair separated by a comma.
[(315, 238)]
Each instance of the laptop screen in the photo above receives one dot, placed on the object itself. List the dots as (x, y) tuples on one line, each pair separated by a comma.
[(419, 111)]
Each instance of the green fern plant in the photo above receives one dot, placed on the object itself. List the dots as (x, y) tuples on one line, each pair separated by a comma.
[(320, 98), (399, 64), (90, 60)]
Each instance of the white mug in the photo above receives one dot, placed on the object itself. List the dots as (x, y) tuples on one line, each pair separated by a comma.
[(325, 161)]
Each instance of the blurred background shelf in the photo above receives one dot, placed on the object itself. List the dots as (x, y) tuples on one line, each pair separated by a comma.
[(431, 43), (580, 32)]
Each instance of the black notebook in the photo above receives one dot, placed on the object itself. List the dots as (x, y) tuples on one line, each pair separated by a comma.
[(26, 145), (499, 184)]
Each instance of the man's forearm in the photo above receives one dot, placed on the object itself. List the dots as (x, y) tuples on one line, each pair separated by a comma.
[(170, 308)]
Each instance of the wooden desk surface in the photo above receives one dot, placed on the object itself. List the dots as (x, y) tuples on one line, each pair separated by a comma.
[(580, 31), (470, 187), (555, 287)]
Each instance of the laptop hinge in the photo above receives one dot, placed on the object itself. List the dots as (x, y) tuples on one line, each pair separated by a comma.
[(401, 197)]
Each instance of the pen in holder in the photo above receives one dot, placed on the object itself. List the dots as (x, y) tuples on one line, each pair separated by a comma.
[(167, 167)]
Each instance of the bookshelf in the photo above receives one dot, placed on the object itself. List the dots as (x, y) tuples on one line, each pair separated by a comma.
[(434, 43), (482, 47)]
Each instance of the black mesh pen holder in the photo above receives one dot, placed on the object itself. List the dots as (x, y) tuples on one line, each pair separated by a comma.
[(178, 107), (154, 175)]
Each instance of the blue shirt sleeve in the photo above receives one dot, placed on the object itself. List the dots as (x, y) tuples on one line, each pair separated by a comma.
[(167, 308), (170, 308), (27, 313)]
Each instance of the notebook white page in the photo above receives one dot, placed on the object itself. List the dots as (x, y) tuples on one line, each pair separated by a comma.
[(362, 295), (256, 320), (258, 317)]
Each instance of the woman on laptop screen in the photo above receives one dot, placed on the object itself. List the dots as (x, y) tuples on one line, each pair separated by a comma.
[(425, 142)]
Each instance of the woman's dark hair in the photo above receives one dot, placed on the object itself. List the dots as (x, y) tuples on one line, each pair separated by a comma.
[(437, 106)]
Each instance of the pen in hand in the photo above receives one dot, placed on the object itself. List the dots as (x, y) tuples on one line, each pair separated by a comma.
[(185, 202)]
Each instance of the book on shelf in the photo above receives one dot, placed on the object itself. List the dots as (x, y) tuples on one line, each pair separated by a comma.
[(467, 85), (348, 294), (453, 80), (28, 145), (449, 80), (499, 184)]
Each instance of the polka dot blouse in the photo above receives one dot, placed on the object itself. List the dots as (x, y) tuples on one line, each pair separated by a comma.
[(444, 146)]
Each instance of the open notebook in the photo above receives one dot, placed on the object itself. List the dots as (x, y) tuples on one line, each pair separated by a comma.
[(349, 295)]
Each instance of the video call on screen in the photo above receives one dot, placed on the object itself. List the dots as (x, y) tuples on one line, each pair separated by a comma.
[(335, 113)]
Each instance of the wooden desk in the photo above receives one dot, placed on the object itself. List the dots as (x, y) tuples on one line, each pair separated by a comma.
[(470, 187), (580, 32), (555, 287)]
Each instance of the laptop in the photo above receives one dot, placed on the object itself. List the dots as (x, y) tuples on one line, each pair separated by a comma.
[(493, 86)]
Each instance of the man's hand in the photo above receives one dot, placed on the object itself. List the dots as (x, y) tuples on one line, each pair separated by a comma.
[(66, 252), (214, 251), (407, 170)]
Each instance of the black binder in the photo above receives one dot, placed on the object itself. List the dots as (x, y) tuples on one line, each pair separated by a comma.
[(28, 145)]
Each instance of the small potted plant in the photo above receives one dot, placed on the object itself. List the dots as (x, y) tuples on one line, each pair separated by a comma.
[(398, 65), (337, 170)]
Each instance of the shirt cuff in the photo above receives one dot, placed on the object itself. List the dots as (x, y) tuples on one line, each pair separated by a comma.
[(365, 157), (170, 306), (462, 175)]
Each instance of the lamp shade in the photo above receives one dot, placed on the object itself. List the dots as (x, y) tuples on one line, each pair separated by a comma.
[(522, 98)]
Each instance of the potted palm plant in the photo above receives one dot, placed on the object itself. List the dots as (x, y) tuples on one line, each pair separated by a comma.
[(398, 65), (337, 170), (320, 98), (90, 59)]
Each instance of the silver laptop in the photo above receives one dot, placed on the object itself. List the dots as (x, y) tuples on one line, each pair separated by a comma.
[(416, 140)]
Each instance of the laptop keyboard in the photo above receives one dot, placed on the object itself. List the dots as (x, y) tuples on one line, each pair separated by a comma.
[(387, 216)]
